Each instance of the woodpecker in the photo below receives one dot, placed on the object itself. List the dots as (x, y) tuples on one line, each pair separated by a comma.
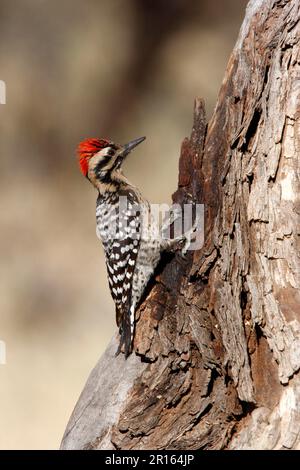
[(131, 239)]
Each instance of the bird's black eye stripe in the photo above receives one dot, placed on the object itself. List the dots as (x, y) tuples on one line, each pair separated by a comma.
[(104, 160), (101, 164)]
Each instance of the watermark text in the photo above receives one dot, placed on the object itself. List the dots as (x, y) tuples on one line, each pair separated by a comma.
[(160, 222), (2, 352), (2, 92)]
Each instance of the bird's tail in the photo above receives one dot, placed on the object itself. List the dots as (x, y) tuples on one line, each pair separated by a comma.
[(126, 330)]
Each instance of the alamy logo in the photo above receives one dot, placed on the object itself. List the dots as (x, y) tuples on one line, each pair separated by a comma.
[(158, 221), (2, 92), (2, 352)]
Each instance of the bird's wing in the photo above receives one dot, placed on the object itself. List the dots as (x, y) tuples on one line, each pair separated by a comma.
[(121, 250)]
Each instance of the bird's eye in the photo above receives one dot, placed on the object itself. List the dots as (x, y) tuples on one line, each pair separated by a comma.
[(111, 152)]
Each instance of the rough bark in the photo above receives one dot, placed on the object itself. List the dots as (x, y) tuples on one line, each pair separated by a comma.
[(218, 336)]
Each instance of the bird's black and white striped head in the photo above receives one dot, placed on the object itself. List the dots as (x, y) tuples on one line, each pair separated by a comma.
[(100, 160)]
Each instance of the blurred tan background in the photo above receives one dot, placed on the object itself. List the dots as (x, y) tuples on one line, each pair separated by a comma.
[(76, 69)]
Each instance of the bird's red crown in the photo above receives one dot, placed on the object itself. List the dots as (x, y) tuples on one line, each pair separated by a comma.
[(87, 148)]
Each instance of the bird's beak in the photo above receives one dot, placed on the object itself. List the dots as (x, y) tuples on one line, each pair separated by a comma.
[(130, 146)]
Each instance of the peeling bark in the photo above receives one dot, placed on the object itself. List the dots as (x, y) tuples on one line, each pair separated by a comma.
[(218, 336)]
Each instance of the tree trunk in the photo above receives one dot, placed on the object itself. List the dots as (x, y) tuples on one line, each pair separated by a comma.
[(218, 337)]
